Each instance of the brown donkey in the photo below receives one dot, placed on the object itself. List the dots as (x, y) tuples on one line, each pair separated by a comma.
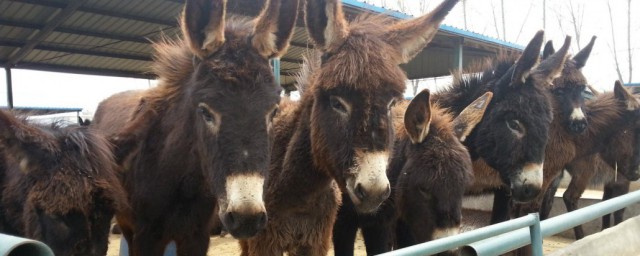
[(432, 160), (508, 145), (206, 130), (621, 150), (58, 185), (338, 138), (569, 119)]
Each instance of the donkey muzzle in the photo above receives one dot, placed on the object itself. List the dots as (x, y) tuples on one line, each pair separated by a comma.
[(527, 185), (577, 121), (245, 214), (369, 186)]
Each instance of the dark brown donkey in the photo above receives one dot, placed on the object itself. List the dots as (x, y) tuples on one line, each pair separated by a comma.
[(338, 138), (433, 162), (58, 185), (568, 118), (207, 140), (508, 145), (621, 150)]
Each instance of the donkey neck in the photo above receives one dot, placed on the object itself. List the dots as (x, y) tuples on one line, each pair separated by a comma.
[(294, 179), (605, 115)]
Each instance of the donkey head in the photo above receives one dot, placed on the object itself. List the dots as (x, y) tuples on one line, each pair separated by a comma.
[(71, 188), (353, 90), (567, 89), (623, 149), (224, 98), (513, 135)]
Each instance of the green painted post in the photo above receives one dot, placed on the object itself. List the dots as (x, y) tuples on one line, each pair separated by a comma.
[(536, 236), (275, 65)]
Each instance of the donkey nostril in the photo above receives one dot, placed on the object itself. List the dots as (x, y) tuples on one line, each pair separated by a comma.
[(387, 191), (359, 191), (262, 220)]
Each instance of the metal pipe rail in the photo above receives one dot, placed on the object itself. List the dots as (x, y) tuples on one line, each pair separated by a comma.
[(530, 221), (13, 245), (519, 232)]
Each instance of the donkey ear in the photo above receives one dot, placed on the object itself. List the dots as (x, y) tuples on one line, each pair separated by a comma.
[(583, 55), (409, 37), (274, 27), (552, 67), (548, 50), (528, 59), (464, 123), (625, 96), (326, 23), (203, 25), (30, 145), (417, 117)]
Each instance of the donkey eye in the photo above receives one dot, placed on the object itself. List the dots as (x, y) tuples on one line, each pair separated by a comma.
[(273, 113), (514, 125), (391, 104), (206, 115), (337, 104)]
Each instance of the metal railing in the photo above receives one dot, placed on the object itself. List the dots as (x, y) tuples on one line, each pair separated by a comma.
[(510, 235)]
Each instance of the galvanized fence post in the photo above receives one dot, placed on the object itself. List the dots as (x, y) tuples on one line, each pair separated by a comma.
[(536, 236)]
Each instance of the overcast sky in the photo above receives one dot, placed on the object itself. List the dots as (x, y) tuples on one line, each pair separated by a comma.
[(523, 18)]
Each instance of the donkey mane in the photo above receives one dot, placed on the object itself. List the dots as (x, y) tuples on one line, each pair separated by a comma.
[(73, 188), (173, 61), (365, 44), (601, 111), (469, 84)]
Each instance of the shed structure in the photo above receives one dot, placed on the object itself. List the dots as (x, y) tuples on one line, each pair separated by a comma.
[(113, 38)]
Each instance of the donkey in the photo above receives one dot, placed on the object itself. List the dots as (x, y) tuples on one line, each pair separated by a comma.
[(619, 151), (508, 145), (568, 117), (58, 185), (338, 137), (207, 129), (428, 158)]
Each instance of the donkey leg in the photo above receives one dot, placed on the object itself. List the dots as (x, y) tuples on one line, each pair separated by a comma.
[(620, 188), (606, 219), (377, 237), (196, 243), (549, 197), (345, 229), (501, 205), (572, 195), (148, 242)]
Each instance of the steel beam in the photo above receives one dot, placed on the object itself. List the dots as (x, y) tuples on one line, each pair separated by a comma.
[(62, 16), (77, 51), (102, 12), (9, 88)]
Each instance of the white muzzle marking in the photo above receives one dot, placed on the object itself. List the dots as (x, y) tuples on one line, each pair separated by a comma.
[(244, 193), (445, 232), (531, 174), (577, 114), (371, 173)]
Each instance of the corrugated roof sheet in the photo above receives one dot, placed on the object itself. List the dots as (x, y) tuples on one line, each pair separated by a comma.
[(110, 37)]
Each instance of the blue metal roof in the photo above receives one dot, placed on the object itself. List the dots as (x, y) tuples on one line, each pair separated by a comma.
[(444, 28), (633, 84)]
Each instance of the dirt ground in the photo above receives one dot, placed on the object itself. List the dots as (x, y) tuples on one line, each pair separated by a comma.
[(227, 246), (220, 246)]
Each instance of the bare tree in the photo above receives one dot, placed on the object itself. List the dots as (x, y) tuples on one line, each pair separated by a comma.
[(526, 18), (629, 40), (464, 13), (613, 38), (495, 19), (504, 24), (577, 18)]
